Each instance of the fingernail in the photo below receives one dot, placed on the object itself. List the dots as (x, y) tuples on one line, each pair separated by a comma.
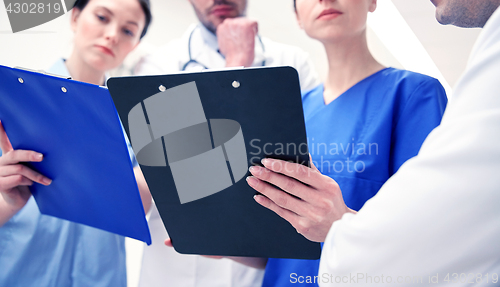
[(266, 161), (251, 181), (46, 181), (257, 198), (255, 170), (38, 156)]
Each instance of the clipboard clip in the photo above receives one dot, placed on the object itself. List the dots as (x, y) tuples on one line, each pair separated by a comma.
[(42, 72)]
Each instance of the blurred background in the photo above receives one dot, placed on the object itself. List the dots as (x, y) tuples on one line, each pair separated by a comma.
[(402, 34)]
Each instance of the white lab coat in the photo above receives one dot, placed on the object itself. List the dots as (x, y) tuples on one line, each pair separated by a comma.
[(204, 49), (437, 219), (162, 266)]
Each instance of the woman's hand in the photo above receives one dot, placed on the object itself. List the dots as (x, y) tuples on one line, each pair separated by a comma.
[(254, 262), (311, 201), (16, 177)]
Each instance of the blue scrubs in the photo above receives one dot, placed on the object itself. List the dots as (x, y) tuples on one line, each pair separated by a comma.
[(360, 140), (41, 250)]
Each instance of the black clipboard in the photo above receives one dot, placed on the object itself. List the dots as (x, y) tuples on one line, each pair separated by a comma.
[(267, 105)]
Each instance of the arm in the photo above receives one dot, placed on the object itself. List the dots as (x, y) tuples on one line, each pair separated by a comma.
[(311, 203), (422, 113), (143, 189), (16, 177), (254, 262), (309, 78), (236, 39), (437, 216)]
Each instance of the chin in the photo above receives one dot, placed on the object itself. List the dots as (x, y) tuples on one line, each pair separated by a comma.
[(441, 16), (101, 63)]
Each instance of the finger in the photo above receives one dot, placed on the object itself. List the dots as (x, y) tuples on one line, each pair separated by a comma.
[(279, 197), (299, 172), (289, 216), (25, 171), (213, 257), (9, 182), (287, 184), (17, 156), (312, 163), (5, 145), (168, 242), (255, 27)]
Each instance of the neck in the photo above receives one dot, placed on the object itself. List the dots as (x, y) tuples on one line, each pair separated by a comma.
[(81, 71), (349, 61)]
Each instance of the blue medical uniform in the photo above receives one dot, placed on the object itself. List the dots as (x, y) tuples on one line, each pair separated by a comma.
[(360, 140), (41, 250)]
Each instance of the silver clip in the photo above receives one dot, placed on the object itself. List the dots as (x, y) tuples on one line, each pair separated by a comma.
[(43, 72)]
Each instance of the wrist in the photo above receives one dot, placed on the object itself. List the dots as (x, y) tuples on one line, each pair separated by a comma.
[(8, 210), (351, 211), (239, 60)]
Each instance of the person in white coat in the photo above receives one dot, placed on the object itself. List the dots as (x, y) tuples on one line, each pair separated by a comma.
[(223, 38), (435, 222)]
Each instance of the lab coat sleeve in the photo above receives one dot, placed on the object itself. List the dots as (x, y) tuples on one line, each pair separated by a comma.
[(437, 217), (421, 114), (279, 54), (308, 76), (148, 66), (165, 60)]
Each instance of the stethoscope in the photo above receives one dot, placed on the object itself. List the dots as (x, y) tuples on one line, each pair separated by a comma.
[(194, 65)]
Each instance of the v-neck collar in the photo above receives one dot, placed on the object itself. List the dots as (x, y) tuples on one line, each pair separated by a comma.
[(351, 88)]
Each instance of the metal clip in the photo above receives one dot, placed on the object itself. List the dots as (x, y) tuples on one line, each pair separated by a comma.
[(42, 72)]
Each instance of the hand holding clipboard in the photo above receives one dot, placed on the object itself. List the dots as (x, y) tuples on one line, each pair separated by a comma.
[(76, 128), (16, 177)]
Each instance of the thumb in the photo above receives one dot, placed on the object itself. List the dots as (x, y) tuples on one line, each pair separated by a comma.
[(256, 28), (312, 163), (168, 242), (5, 144)]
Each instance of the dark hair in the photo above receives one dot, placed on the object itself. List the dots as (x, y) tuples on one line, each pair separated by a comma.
[(295, 5), (146, 7)]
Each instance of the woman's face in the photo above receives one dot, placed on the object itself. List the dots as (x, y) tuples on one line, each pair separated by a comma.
[(106, 31), (333, 20)]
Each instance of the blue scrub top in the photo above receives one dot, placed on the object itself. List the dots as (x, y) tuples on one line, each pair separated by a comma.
[(360, 140), (41, 250)]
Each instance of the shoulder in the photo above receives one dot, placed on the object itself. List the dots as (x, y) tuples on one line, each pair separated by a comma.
[(166, 58), (283, 50), (314, 91), (312, 99), (164, 55), (59, 68), (279, 54), (407, 84), (408, 78), (487, 46)]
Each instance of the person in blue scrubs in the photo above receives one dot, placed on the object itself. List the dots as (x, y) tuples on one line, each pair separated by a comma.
[(41, 250), (362, 124)]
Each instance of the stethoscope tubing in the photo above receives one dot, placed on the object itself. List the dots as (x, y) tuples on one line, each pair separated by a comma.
[(191, 60)]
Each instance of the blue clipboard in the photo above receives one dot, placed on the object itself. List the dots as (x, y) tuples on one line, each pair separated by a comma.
[(76, 127)]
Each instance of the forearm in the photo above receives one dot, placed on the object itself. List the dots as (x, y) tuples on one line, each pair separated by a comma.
[(254, 262), (143, 189), (239, 61), (7, 211)]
